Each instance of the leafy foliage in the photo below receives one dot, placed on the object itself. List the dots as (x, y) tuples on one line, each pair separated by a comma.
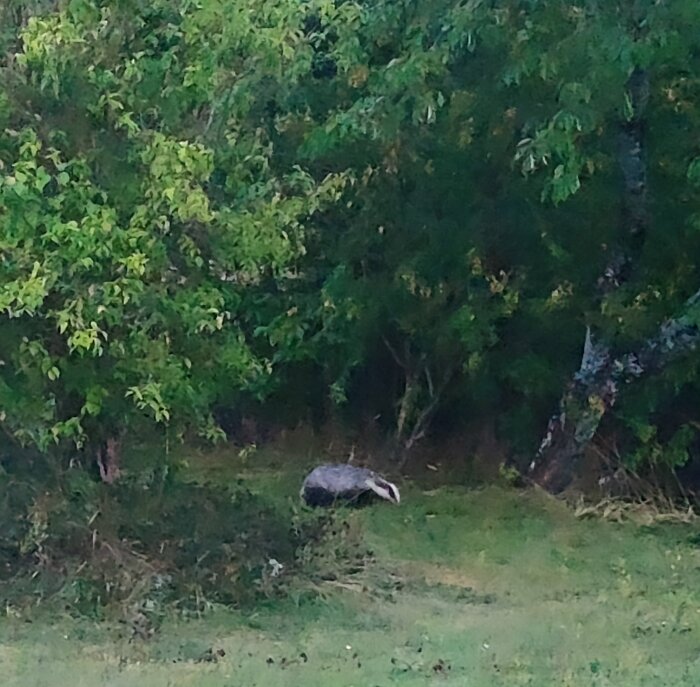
[(135, 220), (400, 207)]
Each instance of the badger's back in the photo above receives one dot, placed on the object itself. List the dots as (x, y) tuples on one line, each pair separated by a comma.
[(327, 484), (338, 477)]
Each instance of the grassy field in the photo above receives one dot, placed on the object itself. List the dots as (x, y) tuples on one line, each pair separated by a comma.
[(474, 587)]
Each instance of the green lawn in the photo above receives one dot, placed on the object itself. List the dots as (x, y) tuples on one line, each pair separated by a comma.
[(475, 587)]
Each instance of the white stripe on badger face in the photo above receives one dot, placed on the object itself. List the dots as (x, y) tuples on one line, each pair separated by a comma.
[(388, 492), (394, 490)]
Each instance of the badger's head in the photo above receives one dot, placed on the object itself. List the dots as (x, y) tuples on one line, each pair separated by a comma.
[(383, 489)]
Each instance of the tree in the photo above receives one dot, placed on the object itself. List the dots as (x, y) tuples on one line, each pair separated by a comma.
[(651, 44), (139, 209)]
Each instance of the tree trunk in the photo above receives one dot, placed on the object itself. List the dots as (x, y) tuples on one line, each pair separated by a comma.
[(591, 392), (109, 461), (418, 403), (593, 389)]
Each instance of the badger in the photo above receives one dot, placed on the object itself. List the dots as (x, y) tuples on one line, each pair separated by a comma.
[(328, 485)]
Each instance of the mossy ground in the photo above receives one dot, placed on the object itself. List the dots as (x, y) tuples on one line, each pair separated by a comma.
[(482, 587)]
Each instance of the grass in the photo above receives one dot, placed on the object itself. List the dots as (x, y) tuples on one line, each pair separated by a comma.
[(480, 587)]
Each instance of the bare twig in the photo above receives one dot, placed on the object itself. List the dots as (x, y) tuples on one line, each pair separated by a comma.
[(394, 354), (429, 379)]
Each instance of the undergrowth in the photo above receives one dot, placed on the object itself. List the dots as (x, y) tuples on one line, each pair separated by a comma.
[(156, 543)]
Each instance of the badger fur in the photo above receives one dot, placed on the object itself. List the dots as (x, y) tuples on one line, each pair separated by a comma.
[(328, 485)]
